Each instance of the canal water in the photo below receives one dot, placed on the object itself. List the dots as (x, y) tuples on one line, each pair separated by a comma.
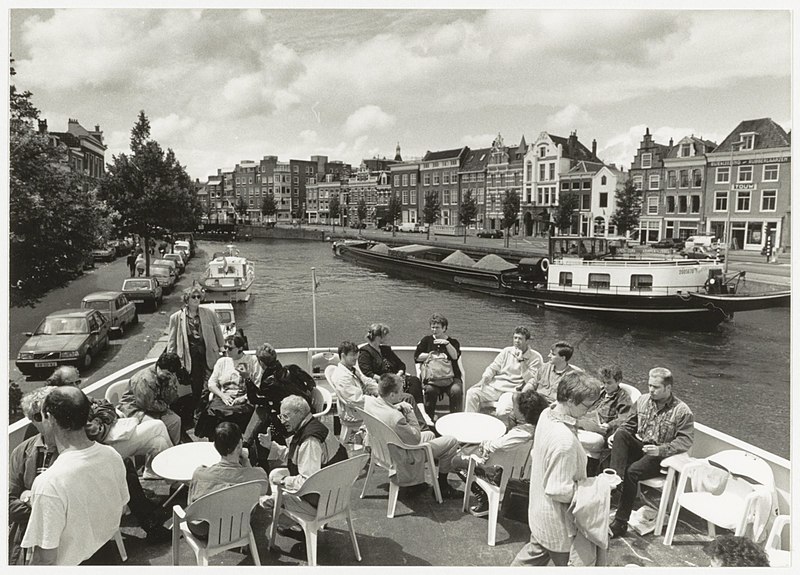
[(735, 379)]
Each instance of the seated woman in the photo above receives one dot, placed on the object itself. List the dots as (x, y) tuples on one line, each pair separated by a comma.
[(527, 407), (266, 393), (228, 385), (611, 410), (377, 358)]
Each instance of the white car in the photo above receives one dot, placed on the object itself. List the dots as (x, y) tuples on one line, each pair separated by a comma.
[(227, 319), (408, 227)]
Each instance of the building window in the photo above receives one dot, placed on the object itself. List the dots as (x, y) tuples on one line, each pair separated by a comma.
[(413, 180), (671, 179), (603, 199), (426, 181), (647, 160), (682, 205), (770, 173), (587, 185), (396, 180), (670, 204), (405, 179), (446, 177), (552, 171), (603, 180), (655, 181), (586, 202), (769, 200), (697, 178), (435, 179), (686, 150), (529, 171), (542, 169), (684, 178), (695, 207), (405, 197), (746, 141), (446, 197), (413, 196), (565, 279), (599, 281), (542, 151), (637, 182), (641, 282), (743, 201), (745, 174), (652, 205), (723, 175)]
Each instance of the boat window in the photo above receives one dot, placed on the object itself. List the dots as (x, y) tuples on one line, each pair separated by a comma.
[(641, 282), (565, 279), (224, 316), (600, 281)]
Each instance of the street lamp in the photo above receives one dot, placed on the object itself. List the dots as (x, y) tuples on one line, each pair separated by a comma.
[(728, 235)]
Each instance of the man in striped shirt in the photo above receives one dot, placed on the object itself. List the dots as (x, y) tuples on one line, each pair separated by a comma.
[(660, 425)]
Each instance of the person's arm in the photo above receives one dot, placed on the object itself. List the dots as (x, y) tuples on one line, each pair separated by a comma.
[(172, 340), (44, 556), (422, 351), (148, 398), (513, 438), (559, 474), (365, 363), (531, 374), (684, 434), (407, 426), (214, 380), (346, 386), (493, 368), (632, 422), (453, 349), (19, 507), (397, 363), (622, 407), (258, 371), (309, 461)]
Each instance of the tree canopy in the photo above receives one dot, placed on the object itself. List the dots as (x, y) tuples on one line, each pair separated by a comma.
[(567, 205), (510, 205), (467, 211), (268, 206), (431, 210), (361, 210), (629, 208), (334, 210)]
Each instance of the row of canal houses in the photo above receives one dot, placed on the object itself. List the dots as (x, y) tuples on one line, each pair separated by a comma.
[(689, 186)]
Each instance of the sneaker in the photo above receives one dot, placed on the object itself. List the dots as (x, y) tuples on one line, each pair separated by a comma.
[(618, 528), (481, 507), (447, 491)]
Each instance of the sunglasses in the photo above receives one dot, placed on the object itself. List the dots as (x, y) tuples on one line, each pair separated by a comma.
[(196, 296), (75, 382), (37, 417)]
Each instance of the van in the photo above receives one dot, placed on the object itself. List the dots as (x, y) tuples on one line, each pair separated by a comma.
[(408, 227), (700, 240)]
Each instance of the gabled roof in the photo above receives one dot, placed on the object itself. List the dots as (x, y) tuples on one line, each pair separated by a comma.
[(443, 154), (585, 167), (476, 160), (575, 152), (700, 147), (770, 135)]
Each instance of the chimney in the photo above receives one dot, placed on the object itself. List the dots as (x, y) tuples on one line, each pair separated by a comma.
[(670, 142), (97, 127), (42, 126), (594, 148)]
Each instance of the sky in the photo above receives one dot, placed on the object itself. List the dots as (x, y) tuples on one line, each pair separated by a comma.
[(225, 85)]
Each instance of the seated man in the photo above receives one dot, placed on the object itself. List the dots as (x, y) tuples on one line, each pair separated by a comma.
[(440, 349), (513, 367), (349, 386), (311, 447), (76, 503), (556, 367), (612, 409), (660, 425), (390, 408), (528, 406), (233, 468), (151, 392)]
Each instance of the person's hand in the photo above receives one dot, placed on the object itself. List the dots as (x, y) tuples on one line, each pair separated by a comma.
[(405, 408), (239, 400), (25, 496), (226, 399), (611, 440), (265, 439), (441, 341), (650, 449)]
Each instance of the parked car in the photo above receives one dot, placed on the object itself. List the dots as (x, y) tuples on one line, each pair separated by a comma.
[(702, 253), (70, 336), (184, 246), (490, 234), (115, 308), (173, 265), (143, 291), (389, 227), (177, 259), (407, 227), (187, 237), (357, 225), (227, 319), (166, 276), (669, 244), (104, 254)]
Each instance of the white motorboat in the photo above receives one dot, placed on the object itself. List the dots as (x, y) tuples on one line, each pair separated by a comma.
[(228, 277)]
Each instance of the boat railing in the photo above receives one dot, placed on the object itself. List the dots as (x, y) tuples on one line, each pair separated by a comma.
[(633, 263), (624, 290)]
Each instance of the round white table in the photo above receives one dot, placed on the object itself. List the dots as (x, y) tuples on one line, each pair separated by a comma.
[(178, 463), (470, 427)]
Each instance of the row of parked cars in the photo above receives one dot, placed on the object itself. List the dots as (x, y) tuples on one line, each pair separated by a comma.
[(78, 336)]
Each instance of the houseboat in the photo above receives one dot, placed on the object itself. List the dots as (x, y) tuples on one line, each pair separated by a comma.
[(586, 275), (228, 277)]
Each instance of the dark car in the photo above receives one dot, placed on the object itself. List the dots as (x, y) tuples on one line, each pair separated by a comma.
[(669, 244), (143, 291), (70, 336), (490, 234), (356, 225), (701, 253), (389, 228)]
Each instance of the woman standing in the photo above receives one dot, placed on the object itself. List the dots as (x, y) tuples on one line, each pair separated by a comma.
[(195, 335)]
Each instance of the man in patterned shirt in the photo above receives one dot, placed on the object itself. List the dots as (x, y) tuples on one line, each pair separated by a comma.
[(660, 425)]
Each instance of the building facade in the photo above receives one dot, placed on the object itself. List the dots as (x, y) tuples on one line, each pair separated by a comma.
[(503, 175), (472, 179), (605, 183), (685, 179), (647, 173), (439, 173), (405, 184), (85, 149)]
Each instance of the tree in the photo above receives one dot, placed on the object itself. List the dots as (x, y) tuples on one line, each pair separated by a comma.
[(361, 213), (54, 214), (629, 208), (467, 211), (567, 204), (510, 205), (393, 211), (431, 210), (334, 210), (150, 189), (241, 208), (268, 206)]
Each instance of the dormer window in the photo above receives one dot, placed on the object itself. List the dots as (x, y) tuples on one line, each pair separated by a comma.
[(746, 141), (686, 150)]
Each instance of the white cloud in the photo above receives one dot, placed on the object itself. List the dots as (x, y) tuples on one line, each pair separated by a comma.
[(368, 119), (309, 137), (478, 141), (569, 117), (170, 126)]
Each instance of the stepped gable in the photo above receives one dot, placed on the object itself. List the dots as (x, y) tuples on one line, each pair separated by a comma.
[(493, 262), (459, 258), (380, 248), (770, 135)]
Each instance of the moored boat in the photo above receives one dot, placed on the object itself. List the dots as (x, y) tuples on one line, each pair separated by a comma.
[(228, 277), (586, 275)]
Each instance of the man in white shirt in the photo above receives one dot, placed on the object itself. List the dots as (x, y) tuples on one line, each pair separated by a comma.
[(513, 367), (76, 504)]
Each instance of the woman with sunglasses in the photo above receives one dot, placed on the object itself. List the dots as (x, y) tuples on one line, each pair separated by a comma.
[(228, 384), (195, 335)]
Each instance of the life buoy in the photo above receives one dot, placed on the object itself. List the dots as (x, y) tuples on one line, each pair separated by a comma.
[(544, 264)]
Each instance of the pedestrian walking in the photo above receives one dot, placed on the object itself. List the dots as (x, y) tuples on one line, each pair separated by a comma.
[(131, 261)]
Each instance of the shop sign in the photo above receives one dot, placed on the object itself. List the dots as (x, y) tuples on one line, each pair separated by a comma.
[(743, 187)]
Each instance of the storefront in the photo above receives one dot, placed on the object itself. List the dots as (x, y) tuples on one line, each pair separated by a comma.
[(649, 231), (750, 234), (681, 228)]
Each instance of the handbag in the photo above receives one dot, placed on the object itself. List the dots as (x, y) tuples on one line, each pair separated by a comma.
[(437, 370)]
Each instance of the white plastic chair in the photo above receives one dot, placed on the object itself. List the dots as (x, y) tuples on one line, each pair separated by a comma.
[(320, 361), (227, 513), (380, 437), (778, 557), (733, 508), (515, 464), (349, 428), (333, 485), (115, 391), (321, 400)]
